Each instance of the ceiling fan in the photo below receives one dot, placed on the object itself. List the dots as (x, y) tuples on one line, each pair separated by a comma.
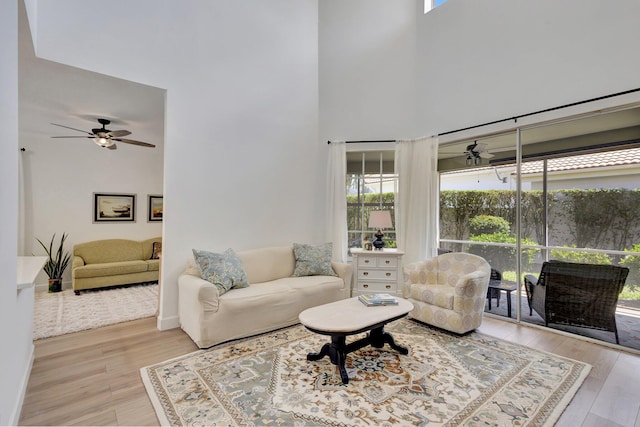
[(474, 153), (104, 137)]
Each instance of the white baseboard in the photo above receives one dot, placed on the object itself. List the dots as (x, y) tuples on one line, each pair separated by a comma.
[(166, 323), (17, 410), (44, 287)]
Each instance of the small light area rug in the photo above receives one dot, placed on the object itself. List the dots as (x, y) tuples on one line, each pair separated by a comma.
[(474, 380), (64, 312)]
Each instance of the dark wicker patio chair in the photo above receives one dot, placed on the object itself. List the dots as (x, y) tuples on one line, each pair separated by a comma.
[(583, 295), (492, 292)]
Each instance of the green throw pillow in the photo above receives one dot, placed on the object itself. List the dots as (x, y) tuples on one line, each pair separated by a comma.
[(224, 270), (313, 260)]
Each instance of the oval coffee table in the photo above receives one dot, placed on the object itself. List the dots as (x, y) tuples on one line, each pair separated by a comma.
[(349, 317)]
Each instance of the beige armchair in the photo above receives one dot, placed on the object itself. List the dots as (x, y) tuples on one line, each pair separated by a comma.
[(448, 291)]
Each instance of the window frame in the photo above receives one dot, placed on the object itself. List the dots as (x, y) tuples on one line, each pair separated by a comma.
[(364, 175)]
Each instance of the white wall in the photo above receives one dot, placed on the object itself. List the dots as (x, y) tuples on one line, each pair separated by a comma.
[(488, 60), (243, 164), (16, 308), (367, 69)]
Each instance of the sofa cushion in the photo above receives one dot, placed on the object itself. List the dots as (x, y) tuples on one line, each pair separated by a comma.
[(438, 295), (154, 264), (313, 260), (272, 289), (265, 264), (224, 270), (192, 268), (110, 269), (109, 250)]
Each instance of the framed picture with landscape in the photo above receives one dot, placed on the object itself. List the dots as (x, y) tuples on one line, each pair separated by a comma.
[(156, 206), (114, 207)]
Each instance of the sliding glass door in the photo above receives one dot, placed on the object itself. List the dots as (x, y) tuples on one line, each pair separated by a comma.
[(568, 191)]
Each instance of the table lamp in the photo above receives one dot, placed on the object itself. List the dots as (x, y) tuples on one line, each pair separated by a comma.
[(379, 220)]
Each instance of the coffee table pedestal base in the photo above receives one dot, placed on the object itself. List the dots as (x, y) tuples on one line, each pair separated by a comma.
[(338, 349)]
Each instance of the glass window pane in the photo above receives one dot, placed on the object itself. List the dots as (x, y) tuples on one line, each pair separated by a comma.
[(371, 185)]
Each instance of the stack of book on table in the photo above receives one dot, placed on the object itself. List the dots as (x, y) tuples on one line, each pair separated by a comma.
[(377, 299)]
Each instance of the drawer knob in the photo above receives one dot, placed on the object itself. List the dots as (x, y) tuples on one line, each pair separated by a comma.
[(388, 274), (365, 286), (387, 261), (365, 273), (388, 286), (366, 261)]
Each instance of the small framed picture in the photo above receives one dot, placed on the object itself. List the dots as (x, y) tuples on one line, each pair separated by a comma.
[(114, 207), (156, 206)]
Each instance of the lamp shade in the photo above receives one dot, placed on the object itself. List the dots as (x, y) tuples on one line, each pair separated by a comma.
[(380, 219)]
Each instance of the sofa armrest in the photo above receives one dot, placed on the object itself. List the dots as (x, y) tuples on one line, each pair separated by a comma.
[(536, 295), (468, 283), (530, 280), (345, 272), (196, 295), (77, 262), (468, 289)]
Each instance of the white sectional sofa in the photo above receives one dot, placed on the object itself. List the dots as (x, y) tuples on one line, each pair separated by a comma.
[(273, 299)]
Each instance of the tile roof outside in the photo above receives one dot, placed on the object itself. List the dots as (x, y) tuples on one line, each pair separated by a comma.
[(585, 161)]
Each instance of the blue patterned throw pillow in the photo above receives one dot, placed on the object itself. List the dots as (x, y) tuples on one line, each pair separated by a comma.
[(224, 270), (313, 260)]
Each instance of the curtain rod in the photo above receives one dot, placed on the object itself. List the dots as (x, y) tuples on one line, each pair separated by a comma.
[(515, 118), (362, 142)]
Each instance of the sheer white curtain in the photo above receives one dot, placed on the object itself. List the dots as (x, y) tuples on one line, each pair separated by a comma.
[(416, 203), (337, 200)]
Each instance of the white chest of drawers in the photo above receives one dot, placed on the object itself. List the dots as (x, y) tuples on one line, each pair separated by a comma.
[(377, 271)]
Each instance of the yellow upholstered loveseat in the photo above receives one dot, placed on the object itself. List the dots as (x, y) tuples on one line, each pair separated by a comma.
[(112, 262)]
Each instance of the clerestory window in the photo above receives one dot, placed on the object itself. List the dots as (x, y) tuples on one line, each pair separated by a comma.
[(432, 4)]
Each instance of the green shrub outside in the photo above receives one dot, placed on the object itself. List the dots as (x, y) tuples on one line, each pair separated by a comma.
[(356, 212), (632, 262), (631, 289), (579, 256), (488, 224), (502, 258)]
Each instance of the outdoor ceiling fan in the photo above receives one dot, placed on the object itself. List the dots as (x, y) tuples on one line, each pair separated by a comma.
[(104, 137), (474, 153)]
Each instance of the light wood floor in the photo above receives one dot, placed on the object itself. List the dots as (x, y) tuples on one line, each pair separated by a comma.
[(92, 377)]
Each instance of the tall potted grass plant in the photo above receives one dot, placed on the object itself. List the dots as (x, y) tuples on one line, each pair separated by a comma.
[(57, 262)]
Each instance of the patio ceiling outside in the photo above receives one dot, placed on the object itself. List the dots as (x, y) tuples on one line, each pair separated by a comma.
[(542, 141)]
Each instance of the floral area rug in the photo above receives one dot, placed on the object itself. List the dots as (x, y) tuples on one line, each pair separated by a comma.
[(64, 312), (445, 379)]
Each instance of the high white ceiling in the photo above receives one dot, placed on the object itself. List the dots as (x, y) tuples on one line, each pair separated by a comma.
[(50, 92)]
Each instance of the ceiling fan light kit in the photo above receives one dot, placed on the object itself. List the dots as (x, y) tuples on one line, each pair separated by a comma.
[(104, 137), (475, 153), (103, 142), (473, 160)]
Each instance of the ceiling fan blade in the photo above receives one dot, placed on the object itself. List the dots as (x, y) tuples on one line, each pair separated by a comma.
[(73, 136), (119, 133), (134, 142), (68, 127), (486, 155)]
